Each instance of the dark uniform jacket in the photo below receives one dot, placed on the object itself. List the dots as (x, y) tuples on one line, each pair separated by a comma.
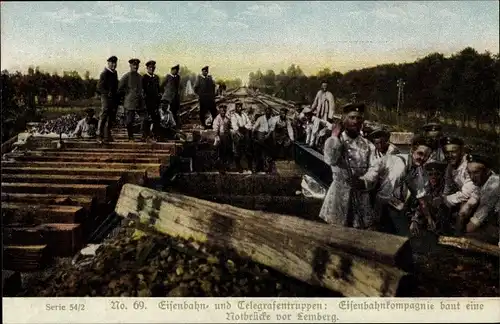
[(205, 87), (151, 86), (130, 86), (171, 93), (108, 82)]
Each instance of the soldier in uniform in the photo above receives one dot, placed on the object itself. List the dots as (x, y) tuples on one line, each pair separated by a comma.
[(283, 134), (221, 126), (263, 143), (151, 86), (435, 131), (171, 96), (108, 89), (435, 172), (130, 87), (87, 126), (380, 138), (350, 156), (241, 128), (323, 105), (205, 89), (483, 225)]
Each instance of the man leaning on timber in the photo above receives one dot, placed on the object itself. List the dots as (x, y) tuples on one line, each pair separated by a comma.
[(171, 97), (403, 187), (205, 89), (323, 105), (130, 87), (241, 128), (151, 86), (460, 193), (108, 89), (484, 223), (350, 156)]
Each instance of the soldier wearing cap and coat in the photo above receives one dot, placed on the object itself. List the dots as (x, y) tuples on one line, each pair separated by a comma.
[(130, 87), (435, 131), (241, 127), (151, 86), (222, 128), (205, 89), (403, 187), (171, 97), (485, 221), (107, 87), (435, 171), (380, 138), (350, 156)]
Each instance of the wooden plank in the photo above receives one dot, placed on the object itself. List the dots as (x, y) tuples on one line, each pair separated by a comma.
[(129, 176), (62, 239), (299, 248), (85, 158), (100, 192), (114, 154), (152, 169), (313, 164), (19, 213), (49, 178), (107, 150), (49, 199), (25, 258), (171, 147)]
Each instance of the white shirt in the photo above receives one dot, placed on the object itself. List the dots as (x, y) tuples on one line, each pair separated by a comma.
[(489, 202), (277, 120), (221, 125), (460, 178), (167, 119), (240, 120), (264, 125), (84, 129), (324, 105)]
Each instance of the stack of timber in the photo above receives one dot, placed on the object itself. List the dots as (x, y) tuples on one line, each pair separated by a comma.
[(54, 197), (348, 261)]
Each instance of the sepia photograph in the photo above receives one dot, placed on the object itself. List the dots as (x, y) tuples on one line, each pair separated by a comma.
[(250, 149)]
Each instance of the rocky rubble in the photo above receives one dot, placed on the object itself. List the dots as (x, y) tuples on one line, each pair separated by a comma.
[(135, 264)]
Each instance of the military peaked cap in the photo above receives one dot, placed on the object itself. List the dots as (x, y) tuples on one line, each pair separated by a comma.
[(424, 140), (175, 67), (436, 166), (358, 107), (113, 59), (449, 140), (148, 63), (432, 127), (205, 68), (134, 61), (379, 133), (479, 158)]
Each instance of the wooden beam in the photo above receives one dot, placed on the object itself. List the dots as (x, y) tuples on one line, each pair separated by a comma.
[(56, 178), (25, 258), (296, 247), (107, 153), (84, 158), (171, 147), (19, 213), (108, 150), (100, 192), (47, 199), (152, 169), (131, 176), (470, 244)]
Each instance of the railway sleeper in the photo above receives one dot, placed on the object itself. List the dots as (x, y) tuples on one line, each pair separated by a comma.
[(61, 239), (56, 178), (119, 145), (87, 202), (124, 155), (30, 214), (84, 158), (25, 258), (100, 192)]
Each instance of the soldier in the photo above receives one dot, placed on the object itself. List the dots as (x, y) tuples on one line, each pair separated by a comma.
[(482, 224), (459, 188), (314, 127), (283, 134), (380, 138), (151, 86), (130, 87), (171, 97), (86, 127), (241, 128), (205, 89), (403, 186), (350, 156), (435, 172), (435, 131), (263, 148), (323, 105), (221, 126), (108, 89)]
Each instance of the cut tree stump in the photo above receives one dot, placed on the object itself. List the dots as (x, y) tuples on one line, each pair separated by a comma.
[(299, 248)]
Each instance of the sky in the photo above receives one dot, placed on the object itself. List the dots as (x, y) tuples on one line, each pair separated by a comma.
[(236, 38)]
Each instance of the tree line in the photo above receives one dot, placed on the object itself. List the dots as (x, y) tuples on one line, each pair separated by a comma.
[(466, 84)]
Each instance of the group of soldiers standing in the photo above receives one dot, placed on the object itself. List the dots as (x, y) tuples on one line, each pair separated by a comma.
[(438, 187)]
